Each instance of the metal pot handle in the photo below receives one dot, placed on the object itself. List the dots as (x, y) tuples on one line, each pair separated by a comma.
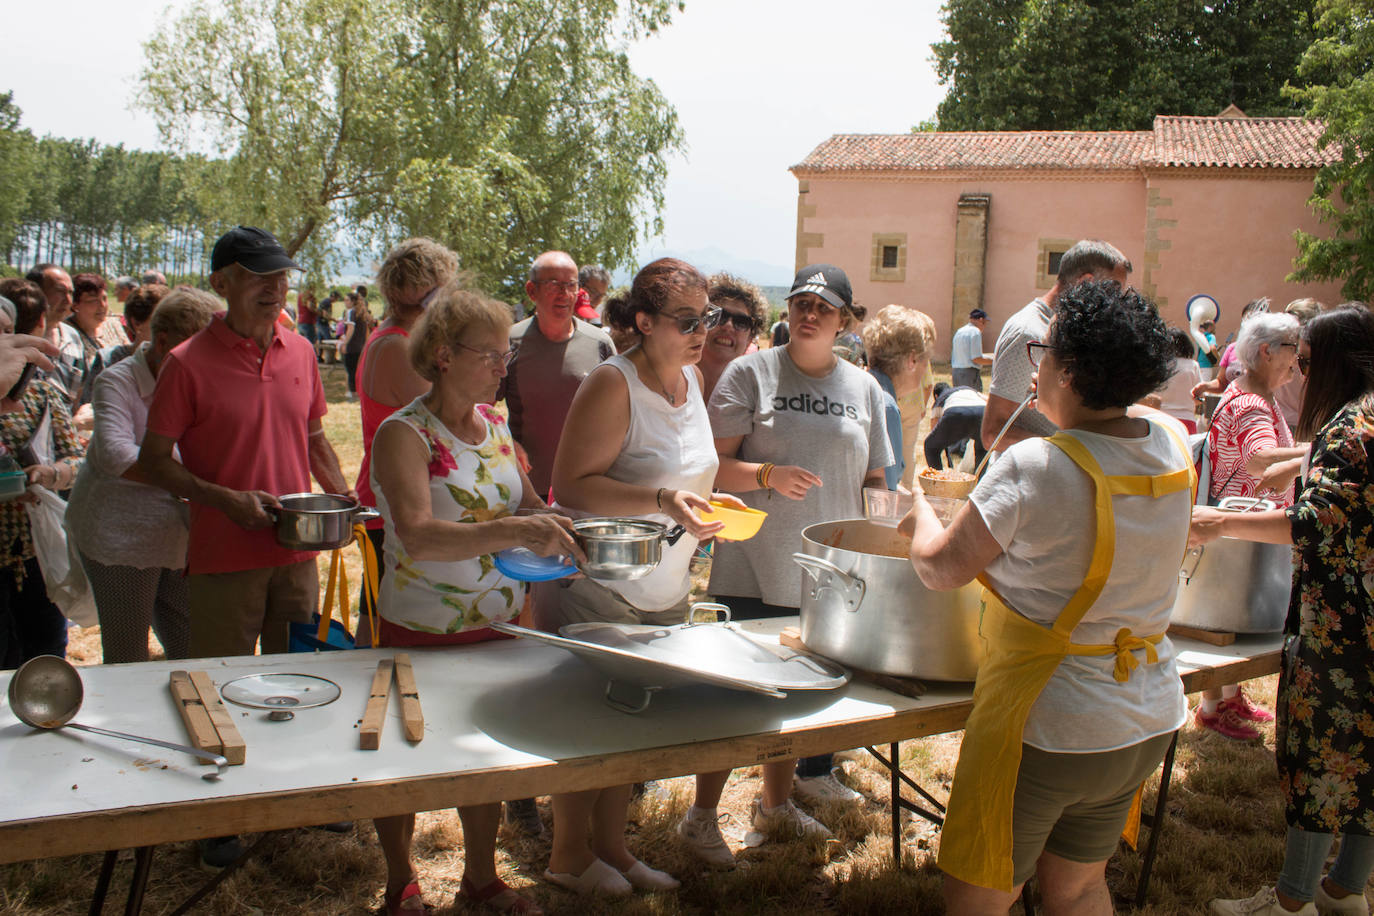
[(823, 573), (365, 514), (714, 607), (1187, 571), (1245, 504), (673, 533)]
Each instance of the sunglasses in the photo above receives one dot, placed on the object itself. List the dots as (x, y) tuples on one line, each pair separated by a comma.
[(741, 322), (712, 318)]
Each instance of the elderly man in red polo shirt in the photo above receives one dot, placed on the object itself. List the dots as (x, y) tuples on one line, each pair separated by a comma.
[(242, 401)]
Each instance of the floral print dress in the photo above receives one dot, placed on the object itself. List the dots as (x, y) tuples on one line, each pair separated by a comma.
[(1325, 747), (467, 483)]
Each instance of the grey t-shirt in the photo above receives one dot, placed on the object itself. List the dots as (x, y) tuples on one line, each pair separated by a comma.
[(1011, 368), (833, 426), (539, 387)]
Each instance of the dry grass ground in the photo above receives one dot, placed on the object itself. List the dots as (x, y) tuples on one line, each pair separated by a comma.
[(1224, 836)]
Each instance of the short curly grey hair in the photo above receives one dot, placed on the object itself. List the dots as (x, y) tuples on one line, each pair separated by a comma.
[(1272, 328)]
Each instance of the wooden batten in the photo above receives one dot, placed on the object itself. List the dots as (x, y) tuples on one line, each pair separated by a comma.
[(200, 730), (410, 698), (374, 716), (231, 743)]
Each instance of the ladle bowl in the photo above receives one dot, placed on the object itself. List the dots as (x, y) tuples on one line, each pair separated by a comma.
[(46, 693)]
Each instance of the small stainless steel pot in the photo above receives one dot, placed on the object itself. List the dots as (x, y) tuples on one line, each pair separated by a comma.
[(622, 548), (317, 521), (1235, 586)]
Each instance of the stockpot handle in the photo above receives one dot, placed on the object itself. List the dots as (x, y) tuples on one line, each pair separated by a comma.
[(1191, 559), (673, 533), (1245, 504), (365, 514), (823, 574)]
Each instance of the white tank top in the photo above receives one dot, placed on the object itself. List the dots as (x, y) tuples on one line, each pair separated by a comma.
[(671, 447)]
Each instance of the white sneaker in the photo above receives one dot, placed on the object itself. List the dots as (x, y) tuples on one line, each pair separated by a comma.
[(817, 789), (702, 835), (788, 820), (1265, 903), (1354, 905)]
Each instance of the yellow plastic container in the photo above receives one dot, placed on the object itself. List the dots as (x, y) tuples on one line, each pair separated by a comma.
[(740, 524)]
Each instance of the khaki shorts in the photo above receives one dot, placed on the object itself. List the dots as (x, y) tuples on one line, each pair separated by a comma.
[(1075, 805), (565, 601), (230, 611)]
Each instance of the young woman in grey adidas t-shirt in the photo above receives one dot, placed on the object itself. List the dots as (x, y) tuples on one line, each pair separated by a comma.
[(799, 433)]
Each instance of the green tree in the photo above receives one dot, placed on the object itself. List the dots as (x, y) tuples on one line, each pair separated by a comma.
[(1101, 65), (501, 127), (17, 167), (1340, 66)]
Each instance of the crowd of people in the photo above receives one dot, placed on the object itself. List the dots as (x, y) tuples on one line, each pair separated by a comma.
[(174, 429)]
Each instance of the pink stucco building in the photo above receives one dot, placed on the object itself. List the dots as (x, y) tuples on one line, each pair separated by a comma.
[(946, 222)]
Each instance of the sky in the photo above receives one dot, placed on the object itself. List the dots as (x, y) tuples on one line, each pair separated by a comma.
[(756, 83)]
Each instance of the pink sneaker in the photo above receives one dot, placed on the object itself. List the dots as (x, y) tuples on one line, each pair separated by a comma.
[(1242, 706), (1225, 721)]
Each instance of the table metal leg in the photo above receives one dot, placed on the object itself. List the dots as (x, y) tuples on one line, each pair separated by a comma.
[(138, 884), (225, 872), (1156, 824), (102, 884), (896, 807)]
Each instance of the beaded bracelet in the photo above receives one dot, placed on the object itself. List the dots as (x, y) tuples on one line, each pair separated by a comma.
[(764, 472)]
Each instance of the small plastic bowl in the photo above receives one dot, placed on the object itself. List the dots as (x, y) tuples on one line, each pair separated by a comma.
[(886, 507), (740, 524)]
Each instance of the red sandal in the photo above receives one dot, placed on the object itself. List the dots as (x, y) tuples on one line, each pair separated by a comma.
[(407, 903), (499, 896)]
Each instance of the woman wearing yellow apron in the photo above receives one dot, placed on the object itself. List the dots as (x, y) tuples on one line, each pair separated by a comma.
[(1077, 539)]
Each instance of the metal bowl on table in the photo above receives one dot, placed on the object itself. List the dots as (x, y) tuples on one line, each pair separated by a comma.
[(622, 548), (863, 605), (317, 521)]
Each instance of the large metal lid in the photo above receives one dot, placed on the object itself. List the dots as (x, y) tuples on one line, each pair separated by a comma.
[(648, 658)]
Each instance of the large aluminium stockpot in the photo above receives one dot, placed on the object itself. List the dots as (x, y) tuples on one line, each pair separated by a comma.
[(1235, 586), (862, 605)]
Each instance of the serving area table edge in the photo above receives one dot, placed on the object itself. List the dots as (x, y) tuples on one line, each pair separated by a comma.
[(504, 719)]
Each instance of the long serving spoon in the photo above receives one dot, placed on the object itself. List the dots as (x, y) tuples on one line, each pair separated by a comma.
[(978, 472), (46, 693)]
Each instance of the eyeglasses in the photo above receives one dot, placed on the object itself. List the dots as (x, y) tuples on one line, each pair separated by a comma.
[(1304, 363), (570, 287), (1035, 352), (492, 358), (741, 322), (1293, 345), (712, 318)]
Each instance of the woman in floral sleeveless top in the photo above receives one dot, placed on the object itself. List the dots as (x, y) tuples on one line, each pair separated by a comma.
[(448, 487)]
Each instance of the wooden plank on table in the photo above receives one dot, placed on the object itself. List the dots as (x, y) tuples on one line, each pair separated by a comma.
[(374, 716), (410, 698), (200, 730), (230, 741), (902, 686), (1208, 636)]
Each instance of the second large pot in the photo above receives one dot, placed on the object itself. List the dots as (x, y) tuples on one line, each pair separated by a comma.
[(1235, 586), (863, 605)]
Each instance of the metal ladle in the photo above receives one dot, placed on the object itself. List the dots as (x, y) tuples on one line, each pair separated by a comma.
[(978, 472), (46, 693)]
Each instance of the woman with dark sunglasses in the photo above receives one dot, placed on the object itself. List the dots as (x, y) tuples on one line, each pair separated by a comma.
[(743, 309), (637, 443), (1322, 747)]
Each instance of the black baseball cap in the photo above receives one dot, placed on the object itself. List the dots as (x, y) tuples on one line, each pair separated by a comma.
[(976, 314), (826, 281), (255, 250)]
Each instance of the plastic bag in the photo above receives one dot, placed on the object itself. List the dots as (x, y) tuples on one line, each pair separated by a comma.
[(62, 573)]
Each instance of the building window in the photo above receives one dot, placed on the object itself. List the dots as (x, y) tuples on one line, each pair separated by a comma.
[(888, 260), (1051, 251)]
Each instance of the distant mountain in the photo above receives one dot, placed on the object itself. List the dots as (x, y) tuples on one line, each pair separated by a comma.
[(711, 260)]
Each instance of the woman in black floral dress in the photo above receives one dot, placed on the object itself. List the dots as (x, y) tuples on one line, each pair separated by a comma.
[(1325, 747)]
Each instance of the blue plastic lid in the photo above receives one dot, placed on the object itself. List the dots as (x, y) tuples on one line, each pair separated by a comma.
[(523, 564)]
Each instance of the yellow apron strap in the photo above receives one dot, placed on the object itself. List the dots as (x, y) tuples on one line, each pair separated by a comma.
[(370, 579), (1154, 486), (1105, 547)]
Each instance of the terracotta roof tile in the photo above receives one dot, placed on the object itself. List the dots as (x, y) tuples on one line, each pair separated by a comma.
[(1175, 141), (1282, 143)]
